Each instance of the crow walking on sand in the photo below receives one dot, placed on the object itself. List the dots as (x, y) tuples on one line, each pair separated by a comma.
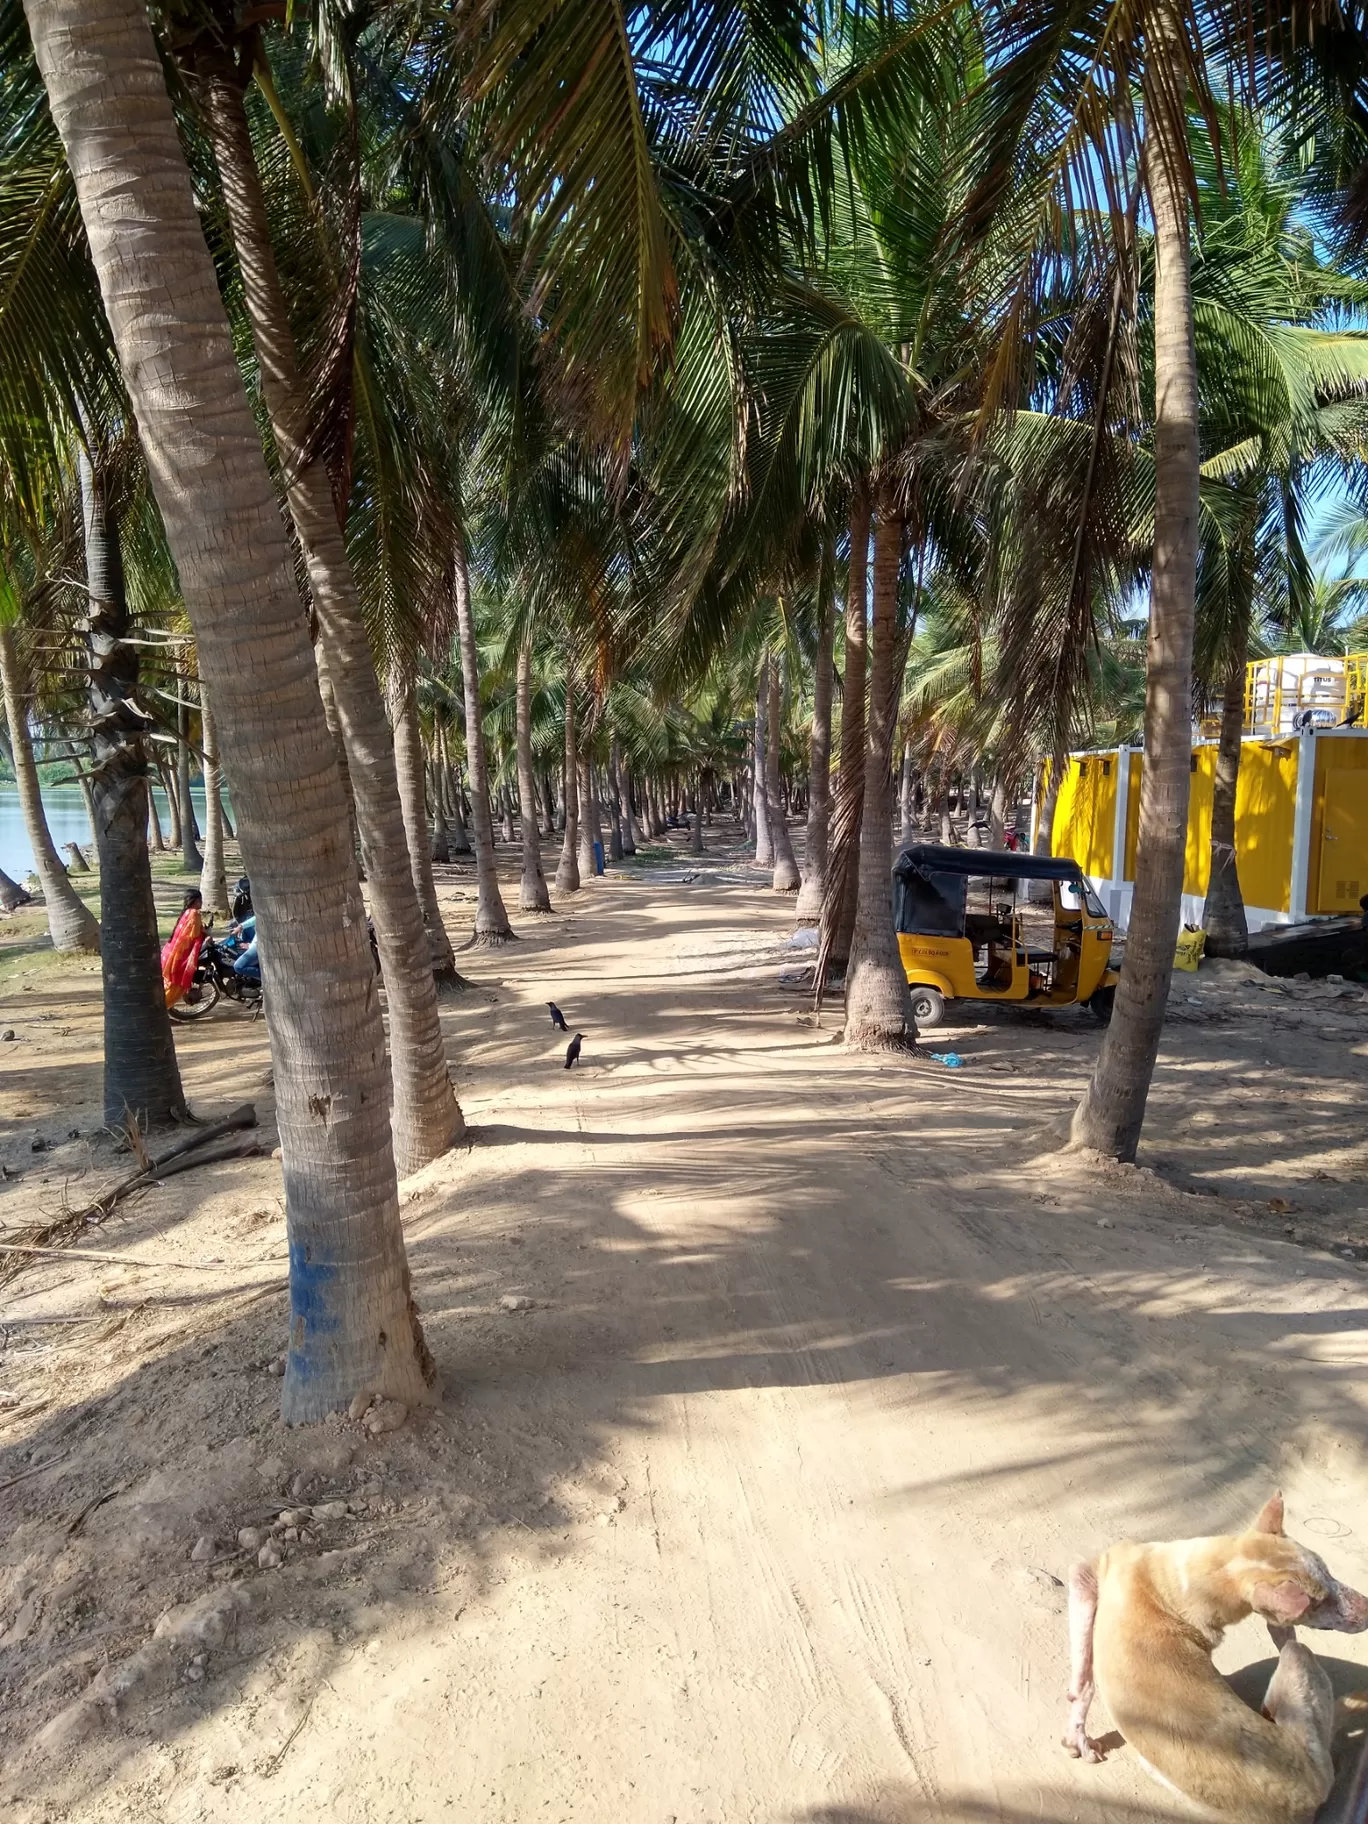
[(557, 1017), (572, 1050)]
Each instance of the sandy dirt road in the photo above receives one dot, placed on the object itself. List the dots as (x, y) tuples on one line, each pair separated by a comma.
[(758, 1512)]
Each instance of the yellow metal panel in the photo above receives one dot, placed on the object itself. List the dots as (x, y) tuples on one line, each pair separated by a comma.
[(946, 963), (1265, 803), (1338, 861), (1265, 808), (1085, 813), (1137, 768), (1197, 861)]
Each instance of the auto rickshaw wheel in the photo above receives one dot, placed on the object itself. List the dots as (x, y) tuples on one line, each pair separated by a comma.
[(1100, 1004), (928, 1006)]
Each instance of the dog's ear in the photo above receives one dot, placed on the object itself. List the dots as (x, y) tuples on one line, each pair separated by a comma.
[(1284, 1603), (1269, 1518)]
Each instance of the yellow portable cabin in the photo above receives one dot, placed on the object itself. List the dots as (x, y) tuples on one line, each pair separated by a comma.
[(1301, 807)]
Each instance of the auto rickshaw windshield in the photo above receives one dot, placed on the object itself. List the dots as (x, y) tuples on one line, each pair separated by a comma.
[(1077, 895)]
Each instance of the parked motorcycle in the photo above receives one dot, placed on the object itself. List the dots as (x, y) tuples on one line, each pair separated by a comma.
[(215, 978)]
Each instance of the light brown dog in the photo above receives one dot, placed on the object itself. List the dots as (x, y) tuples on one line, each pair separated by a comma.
[(1143, 1623)]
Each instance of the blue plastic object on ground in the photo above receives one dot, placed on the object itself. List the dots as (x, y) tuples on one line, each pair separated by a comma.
[(951, 1059), (598, 858)]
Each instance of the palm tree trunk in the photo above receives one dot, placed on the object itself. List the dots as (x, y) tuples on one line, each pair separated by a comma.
[(460, 837), (491, 920), (88, 793), (622, 797), (588, 818), (191, 859), (156, 841), (71, 923), (1223, 915), (785, 877), (997, 812), (412, 789), (353, 1323), (440, 849), (167, 775), (141, 1076), (850, 784), (696, 821), (1040, 891), (533, 896), (334, 721), (568, 873), (426, 1116), (12, 895), (213, 884), (905, 798), (1112, 1111), (615, 846), (878, 1004), (764, 841), (809, 908), (632, 834)]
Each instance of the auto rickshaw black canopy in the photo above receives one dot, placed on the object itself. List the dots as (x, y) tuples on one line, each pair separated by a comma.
[(931, 882), (998, 864)]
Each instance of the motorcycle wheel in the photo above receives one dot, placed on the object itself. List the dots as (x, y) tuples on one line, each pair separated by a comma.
[(201, 998)]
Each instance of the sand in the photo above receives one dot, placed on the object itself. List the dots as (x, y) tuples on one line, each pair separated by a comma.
[(756, 1507)]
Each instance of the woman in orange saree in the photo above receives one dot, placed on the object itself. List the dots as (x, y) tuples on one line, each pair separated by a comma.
[(181, 950)]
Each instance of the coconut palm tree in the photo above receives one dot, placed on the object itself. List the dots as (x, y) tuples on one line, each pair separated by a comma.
[(568, 872), (1087, 111), (426, 1117), (533, 895), (878, 1003), (491, 920), (1055, 114), (785, 878), (353, 1322), (808, 910), (141, 1077), (213, 880), (1284, 385), (71, 924)]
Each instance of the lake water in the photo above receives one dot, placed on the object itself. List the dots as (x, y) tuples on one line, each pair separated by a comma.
[(67, 820)]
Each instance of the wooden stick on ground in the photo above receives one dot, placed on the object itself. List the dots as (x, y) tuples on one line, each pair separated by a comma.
[(203, 1147), (125, 1260), (37, 1470)]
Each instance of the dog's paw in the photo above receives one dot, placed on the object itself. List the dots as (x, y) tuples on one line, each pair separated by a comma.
[(1083, 1748)]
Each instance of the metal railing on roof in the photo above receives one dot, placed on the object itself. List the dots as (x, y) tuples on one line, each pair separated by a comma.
[(1304, 690)]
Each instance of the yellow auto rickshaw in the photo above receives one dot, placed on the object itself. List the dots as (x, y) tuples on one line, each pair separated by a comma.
[(965, 932)]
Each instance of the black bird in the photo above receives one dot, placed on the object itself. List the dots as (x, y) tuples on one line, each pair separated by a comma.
[(572, 1050), (557, 1017)]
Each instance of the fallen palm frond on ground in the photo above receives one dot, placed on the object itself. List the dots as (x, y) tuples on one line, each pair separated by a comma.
[(223, 1139)]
